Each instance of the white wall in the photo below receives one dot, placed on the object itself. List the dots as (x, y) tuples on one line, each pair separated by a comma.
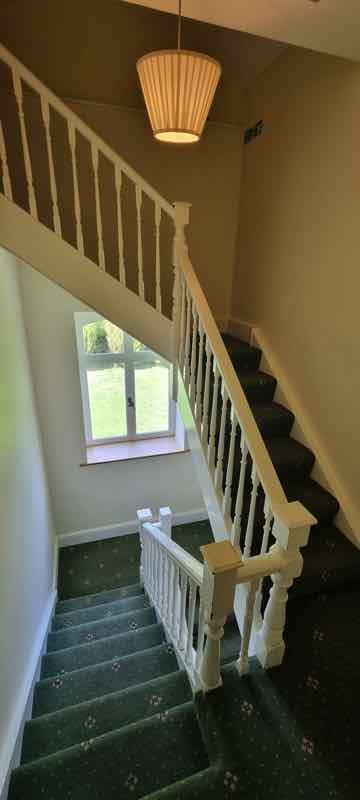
[(26, 531), (97, 495)]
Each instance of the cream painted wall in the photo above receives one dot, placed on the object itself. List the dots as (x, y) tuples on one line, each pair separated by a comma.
[(26, 530), (97, 495), (205, 174), (297, 270)]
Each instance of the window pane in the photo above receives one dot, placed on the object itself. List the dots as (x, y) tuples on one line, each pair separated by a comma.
[(107, 402), (103, 337), (151, 398), (139, 347)]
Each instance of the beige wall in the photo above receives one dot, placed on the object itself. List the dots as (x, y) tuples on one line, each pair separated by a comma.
[(206, 175), (297, 270)]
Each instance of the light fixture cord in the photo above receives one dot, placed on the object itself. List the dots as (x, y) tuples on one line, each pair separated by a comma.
[(179, 26)]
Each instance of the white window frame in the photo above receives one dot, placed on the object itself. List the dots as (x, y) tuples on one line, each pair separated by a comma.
[(128, 358)]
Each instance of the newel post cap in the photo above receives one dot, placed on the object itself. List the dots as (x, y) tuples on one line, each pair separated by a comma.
[(221, 557)]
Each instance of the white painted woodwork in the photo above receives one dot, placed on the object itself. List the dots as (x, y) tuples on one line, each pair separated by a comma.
[(45, 111), (236, 528), (141, 287), (243, 662), (187, 342), (205, 424), (230, 466), (118, 188), (99, 228), (214, 410), (4, 166), (251, 518), (199, 379), (181, 641), (191, 622), (182, 324), (77, 208), (17, 83), (194, 342), (157, 257), (219, 472)]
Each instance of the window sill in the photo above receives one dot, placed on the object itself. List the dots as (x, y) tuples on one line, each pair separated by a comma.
[(126, 451)]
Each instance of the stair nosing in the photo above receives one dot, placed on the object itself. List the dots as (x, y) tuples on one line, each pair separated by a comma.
[(94, 622), (97, 641)]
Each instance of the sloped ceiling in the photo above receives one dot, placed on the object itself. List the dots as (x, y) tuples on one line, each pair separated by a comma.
[(87, 49), (329, 26)]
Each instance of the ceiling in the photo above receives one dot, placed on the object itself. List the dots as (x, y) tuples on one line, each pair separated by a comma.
[(329, 26), (88, 49)]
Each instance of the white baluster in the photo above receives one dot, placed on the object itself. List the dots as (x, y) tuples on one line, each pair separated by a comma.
[(205, 424), (243, 662), (27, 160), (77, 209), (230, 466), (162, 604), (251, 517), (220, 462), (191, 620), (182, 322), (175, 604), (236, 528), (182, 625), (193, 358), (200, 636), (118, 187), (141, 287), (187, 342), (143, 515), (45, 111), (4, 166), (269, 516), (199, 380), (95, 162), (214, 412), (157, 258)]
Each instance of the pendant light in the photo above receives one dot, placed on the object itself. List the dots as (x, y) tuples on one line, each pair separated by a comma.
[(178, 88)]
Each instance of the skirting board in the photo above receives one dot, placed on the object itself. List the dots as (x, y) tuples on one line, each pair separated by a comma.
[(11, 750), (123, 529), (324, 471)]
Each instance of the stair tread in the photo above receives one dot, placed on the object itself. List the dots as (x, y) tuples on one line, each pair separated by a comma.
[(52, 694), (314, 497), (83, 655), (257, 385), (240, 351), (129, 758), (62, 729), (330, 562), (271, 416), (85, 601), (290, 456), (100, 611), (100, 628)]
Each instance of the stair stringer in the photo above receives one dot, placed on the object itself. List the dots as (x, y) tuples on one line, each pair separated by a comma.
[(37, 246)]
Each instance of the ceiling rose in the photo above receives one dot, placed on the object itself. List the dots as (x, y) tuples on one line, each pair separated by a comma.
[(178, 88)]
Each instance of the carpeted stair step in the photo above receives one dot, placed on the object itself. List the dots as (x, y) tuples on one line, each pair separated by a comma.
[(317, 500), (100, 597), (51, 694), (62, 729), (290, 458), (94, 652), (99, 629), (259, 387), (214, 783), (133, 761), (100, 611), (331, 561), (241, 353), (273, 419)]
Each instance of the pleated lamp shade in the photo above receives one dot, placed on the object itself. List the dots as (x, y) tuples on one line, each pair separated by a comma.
[(178, 88)]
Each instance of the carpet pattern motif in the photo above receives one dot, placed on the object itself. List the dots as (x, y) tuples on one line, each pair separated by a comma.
[(127, 725)]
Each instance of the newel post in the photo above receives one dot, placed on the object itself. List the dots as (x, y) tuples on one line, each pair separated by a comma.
[(291, 530), (182, 218), (143, 515), (221, 562)]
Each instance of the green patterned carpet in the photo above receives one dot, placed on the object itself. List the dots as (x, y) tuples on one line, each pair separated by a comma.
[(113, 715)]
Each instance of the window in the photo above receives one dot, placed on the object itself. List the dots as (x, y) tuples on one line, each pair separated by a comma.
[(125, 386)]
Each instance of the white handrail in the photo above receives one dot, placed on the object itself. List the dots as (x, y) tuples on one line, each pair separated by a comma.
[(236, 395), (25, 74), (181, 557)]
